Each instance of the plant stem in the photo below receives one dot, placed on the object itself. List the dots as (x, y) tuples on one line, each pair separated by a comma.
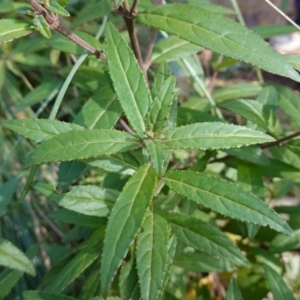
[(147, 61)]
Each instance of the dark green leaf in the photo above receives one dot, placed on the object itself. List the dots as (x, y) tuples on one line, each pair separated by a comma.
[(125, 221), (212, 135), (82, 144), (128, 80), (206, 238), (152, 255), (35, 295), (194, 23), (226, 198), (233, 292)]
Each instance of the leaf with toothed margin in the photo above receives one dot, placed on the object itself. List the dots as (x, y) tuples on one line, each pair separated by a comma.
[(202, 27), (152, 255), (125, 221), (233, 291), (39, 130), (226, 198), (11, 29), (213, 135), (205, 238), (128, 79), (82, 144)]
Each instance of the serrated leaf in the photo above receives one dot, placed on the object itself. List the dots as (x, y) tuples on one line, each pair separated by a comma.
[(233, 291), (206, 238), (55, 7), (173, 48), (128, 80), (125, 221), (36, 295), (123, 163), (212, 135), (101, 111), (156, 153), (73, 269), (152, 255), (13, 258), (39, 130), (42, 26), (222, 35), (161, 76), (278, 287), (226, 198), (160, 108), (12, 29), (203, 263), (89, 200), (82, 144)]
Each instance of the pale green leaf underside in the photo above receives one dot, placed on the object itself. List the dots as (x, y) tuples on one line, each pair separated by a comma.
[(233, 292), (125, 221), (82, 144), (205, 238), (89, 200), (226, 198), (278, 287), (128, 80), (13, 258), (213, 135), (215, 32), (152, 255), (11, 29), (39, 130)]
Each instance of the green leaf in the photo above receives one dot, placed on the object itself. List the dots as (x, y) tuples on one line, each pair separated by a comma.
[(101, 111), (268, 31), (85, 199), (42, 26), (173, 48), (294, 60), (156, 153), (226, 198), (233, 292), (161, 76), (203, 263), (161, 106), (125, 221), (12, 29), (206, 238), (212, 136), (152, 255), (7, 190), (82, 144), (73, 269), (222, 35), (36, 295), (123, 163), (128, 80), (278, 287), (282, 243), (55, 7), (13, 258), (39, 130)]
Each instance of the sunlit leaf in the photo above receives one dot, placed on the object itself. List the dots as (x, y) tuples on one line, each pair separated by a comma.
[(11, 29)]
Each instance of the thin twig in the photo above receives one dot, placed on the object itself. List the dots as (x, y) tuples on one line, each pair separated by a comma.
[(147, 61), (54, 24), (133, 8), (126, 126)]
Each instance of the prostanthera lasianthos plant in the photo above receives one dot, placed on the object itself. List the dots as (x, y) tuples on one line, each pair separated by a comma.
[(165, 195)]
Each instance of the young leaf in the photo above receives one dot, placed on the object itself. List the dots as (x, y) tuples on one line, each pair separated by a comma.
[(278, 287), (11, 29), (212, 135), (156, 153), (161, 76), (203, 263), (173, 48), (161, 106), (12, 257), (55, 7), (226, 198), (73, 269), (128, 80), (36, 295), (82, 144), (282, 243), (205, 238), (42, 26), (85, 199), (39, 130), (222, 35), (233, 291), (101, 111), (125, 221), (152, 255)]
